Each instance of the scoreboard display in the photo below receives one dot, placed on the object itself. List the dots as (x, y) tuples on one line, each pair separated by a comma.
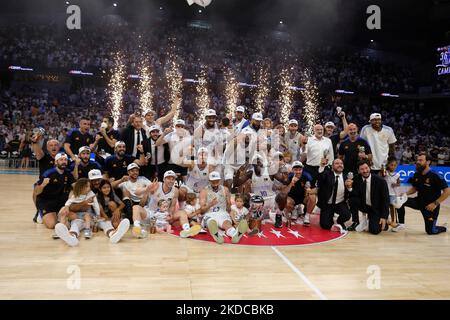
[(443, 66)]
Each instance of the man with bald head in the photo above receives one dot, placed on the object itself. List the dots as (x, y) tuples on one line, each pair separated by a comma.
[(46, 159), (354, 149), (318, 148)]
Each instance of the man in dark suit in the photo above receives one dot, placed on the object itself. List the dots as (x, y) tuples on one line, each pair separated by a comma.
[(332, 196), (370, 194), (133, 135)]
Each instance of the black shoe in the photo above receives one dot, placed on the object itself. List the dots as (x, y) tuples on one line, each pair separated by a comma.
[(35, 217), (353, 226), (386, 227), (278, 221)]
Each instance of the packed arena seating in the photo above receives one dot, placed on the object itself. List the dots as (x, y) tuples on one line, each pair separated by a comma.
[(23, 108)]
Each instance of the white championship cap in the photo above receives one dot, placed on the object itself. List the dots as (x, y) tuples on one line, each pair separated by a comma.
[(240, 109), (329, 124), (170, 173), (132, 166), (154, 128), (214, 176), (180, 122), (95, 174), (257, 116), (60, 155), (297, 164), (211, 113), (293, 121), (202, 149), (85, 148), (375, 116), (118, 143)]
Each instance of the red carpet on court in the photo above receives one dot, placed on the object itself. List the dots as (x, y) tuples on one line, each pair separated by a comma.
[(270, 236)]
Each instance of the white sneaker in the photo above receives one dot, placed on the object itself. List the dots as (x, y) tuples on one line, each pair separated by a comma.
[(399, 227), (39, 218), (445, 225), (122, 228), (63, 233), (363, 224), (306, 221), (338, 228)]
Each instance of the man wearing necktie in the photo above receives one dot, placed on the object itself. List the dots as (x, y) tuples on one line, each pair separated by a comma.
[(133, 136), (370, 195), (332, 196)]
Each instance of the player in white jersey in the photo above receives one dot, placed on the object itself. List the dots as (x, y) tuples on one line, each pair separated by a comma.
[(198, 171), (294, 140), (165, 190), (215, 203), (261, 181), (240, 122)]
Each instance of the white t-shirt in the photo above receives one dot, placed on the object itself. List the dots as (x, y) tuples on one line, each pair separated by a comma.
[(131, 187), (94, 209), (316, 150), (390, 180), (379, 142), (239, 213)]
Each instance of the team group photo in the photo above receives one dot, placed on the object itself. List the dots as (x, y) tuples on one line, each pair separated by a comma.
[(224, 150)]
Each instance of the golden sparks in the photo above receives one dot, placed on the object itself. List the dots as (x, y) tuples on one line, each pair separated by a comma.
[(116, 88), (175, 84), (262, 89), (286, 96), (146, 86), (232, 91), (311, 99), (202, 98)]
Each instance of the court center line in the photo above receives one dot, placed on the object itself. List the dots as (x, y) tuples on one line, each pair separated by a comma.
[(300, 274)]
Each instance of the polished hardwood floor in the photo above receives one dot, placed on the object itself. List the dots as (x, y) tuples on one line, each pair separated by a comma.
[(405, 265)]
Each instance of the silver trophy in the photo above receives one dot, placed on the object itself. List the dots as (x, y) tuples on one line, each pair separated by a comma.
[(338, 111), (350, 175)]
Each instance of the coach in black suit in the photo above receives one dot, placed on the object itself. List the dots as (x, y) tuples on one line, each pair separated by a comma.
[(332, 195), (370, 195), (133, 135)]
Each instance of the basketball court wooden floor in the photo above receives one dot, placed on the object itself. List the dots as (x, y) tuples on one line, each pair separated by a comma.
[(405, 265)]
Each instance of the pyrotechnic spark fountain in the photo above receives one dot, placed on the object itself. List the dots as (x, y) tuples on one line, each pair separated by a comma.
[(311, 99), (202, 99), (116, 88), (232, 91), (286, 95), (262, 90), (175, 83), (146, 86)]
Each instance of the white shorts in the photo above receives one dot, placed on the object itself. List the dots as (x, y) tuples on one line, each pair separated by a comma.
[(150, 213), (220, 217)]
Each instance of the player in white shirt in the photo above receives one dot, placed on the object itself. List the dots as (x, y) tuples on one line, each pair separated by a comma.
[(176, 139), (240, 122), (215, 202), (198, 171), (294, 140), (157, 191), (381, 140)]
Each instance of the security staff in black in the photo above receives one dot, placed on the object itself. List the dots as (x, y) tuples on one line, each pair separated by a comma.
[(80, 167), (78, 138), (431, 190), (53, 190)]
